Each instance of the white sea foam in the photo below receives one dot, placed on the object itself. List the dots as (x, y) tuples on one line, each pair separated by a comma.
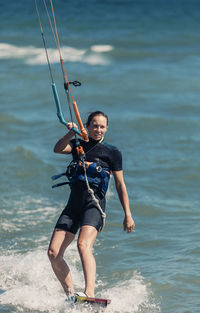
[(102, 48), (132, 295), (30, 284), (36, 56)]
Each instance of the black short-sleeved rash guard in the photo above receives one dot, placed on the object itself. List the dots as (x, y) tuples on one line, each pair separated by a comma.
[(108, 156)]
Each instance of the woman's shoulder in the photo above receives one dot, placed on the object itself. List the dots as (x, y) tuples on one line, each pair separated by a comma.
[(115, 156), (110, 147)]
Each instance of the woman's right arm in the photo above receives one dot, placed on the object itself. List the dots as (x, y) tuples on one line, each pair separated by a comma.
[(63, 145)]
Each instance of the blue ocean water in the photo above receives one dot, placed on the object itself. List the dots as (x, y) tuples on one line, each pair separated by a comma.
[(139, 61)]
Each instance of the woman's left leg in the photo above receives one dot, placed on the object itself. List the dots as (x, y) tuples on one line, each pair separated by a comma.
[(85, 244)]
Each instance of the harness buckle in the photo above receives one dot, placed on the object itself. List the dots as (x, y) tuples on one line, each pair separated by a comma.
[(98, 168)]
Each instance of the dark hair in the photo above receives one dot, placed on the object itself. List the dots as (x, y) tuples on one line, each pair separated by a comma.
[(93, 114)]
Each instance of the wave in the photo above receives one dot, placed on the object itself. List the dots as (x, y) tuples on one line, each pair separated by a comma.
[(28, 278), (102, 48), (36, 56)]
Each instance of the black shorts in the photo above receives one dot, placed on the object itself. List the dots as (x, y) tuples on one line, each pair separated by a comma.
[(81, 210)]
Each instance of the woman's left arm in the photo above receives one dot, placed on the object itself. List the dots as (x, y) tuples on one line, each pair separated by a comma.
[(129, 223)]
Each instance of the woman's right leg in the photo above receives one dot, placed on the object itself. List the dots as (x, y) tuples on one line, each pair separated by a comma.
[(60, 240)]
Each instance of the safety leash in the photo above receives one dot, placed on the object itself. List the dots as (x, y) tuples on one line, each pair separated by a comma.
[(91, 192)]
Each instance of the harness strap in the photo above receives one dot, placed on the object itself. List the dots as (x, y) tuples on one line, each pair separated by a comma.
[(60, 184)]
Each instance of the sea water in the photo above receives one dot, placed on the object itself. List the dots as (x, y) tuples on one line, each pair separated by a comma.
[(139, 61)]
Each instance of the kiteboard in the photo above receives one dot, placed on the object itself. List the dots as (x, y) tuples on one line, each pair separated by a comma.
[(98, 301)]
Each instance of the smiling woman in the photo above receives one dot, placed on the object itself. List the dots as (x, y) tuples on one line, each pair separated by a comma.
[(89, 177), (97, 125)]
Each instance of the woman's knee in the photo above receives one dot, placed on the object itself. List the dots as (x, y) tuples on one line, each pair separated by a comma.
[(83, 246), (86, 239), (52, 255)]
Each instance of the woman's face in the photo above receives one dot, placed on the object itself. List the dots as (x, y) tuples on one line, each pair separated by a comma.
[(97, 127)]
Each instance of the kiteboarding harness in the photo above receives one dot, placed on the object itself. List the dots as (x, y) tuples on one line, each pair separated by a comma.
[(93, 174)]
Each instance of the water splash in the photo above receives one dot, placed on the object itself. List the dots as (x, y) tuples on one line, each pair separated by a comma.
[(30, 285)]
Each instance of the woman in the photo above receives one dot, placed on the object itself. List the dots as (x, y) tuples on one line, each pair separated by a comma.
[(83, 210)]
